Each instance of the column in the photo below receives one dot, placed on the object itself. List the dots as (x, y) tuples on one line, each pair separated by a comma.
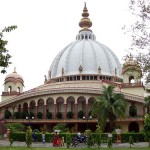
[(55, 110), (36, 111), (86, 110), (76, 111), (65, 111), (45, 108)]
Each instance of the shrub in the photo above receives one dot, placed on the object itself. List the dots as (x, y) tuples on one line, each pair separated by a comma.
[(68, 139), (131, 141), (7, 114), (16, 115), (89, 138), (23, 115), (61, 126), (98, 136), (49, 115), (29, 137), (31, 114), (39, 115), (15, 127), (80, 114), (70, 114), (59, 115)]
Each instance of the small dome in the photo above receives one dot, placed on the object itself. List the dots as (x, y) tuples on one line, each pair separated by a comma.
[(14, 77)]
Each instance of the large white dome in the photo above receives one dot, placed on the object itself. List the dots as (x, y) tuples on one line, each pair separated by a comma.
[(90, 55), (85, 55)]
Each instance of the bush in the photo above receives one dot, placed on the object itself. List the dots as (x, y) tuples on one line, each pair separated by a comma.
[(59, 115), (23, 115), (39, 115), (68, 139), (16, 115), (15, 127), (31, 114), (7, 114), (61, 126), (49, 115), (29, 137), (70, 114), (80, 114)]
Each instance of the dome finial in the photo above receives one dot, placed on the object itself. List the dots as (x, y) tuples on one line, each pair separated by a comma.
[(85, 23)]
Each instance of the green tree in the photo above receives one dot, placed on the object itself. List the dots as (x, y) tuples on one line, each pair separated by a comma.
[(109, 106), (147, 104), (4, 55), (139, 32), (147, 127)]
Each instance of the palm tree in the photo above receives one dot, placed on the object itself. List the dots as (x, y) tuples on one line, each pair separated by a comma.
[(147, 103), (109, 106)]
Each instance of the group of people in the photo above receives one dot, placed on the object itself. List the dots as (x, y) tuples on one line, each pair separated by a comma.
[(57, 141)]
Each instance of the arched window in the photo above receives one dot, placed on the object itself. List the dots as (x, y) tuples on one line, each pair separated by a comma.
[(131, 78), (9, 89), (18, 90)]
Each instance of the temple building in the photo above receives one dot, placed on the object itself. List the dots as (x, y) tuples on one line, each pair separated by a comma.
[(76, 76)]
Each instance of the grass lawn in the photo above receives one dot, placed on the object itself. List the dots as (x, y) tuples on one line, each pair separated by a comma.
[(34, 148)]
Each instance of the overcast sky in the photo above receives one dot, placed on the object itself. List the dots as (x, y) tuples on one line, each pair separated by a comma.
[(45, 27)]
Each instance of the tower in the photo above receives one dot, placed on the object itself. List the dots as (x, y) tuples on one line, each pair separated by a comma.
[(13, 85)]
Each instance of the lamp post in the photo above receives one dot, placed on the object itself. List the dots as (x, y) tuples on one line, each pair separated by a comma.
[(87, 119), (29, 118)]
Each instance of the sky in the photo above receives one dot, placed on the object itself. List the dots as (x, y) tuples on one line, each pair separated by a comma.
[(45, 27)]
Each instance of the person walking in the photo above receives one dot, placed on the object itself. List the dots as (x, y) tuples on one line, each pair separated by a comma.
[(56, 140), (43, 137), (34, 137)]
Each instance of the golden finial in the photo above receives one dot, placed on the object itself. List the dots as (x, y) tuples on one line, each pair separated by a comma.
[(85, 23)]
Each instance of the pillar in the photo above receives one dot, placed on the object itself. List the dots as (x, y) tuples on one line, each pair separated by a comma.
[(65, 111), (76, 111)]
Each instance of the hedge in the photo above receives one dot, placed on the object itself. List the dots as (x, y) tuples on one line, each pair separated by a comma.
[(137, 137)]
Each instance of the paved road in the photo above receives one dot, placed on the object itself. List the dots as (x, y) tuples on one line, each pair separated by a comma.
[(40, 144)]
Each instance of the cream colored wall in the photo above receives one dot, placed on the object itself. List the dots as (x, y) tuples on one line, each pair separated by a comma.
[(124, 126), (14, 86), (128, 74), (139, 91)]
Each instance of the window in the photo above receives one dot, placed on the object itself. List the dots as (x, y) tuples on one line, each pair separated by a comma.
[(9, 89)]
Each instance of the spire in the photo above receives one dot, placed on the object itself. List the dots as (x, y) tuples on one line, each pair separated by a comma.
[(85, 23), (15, 70)]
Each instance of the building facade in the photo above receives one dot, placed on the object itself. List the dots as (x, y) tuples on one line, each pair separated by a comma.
[(76, 76)]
